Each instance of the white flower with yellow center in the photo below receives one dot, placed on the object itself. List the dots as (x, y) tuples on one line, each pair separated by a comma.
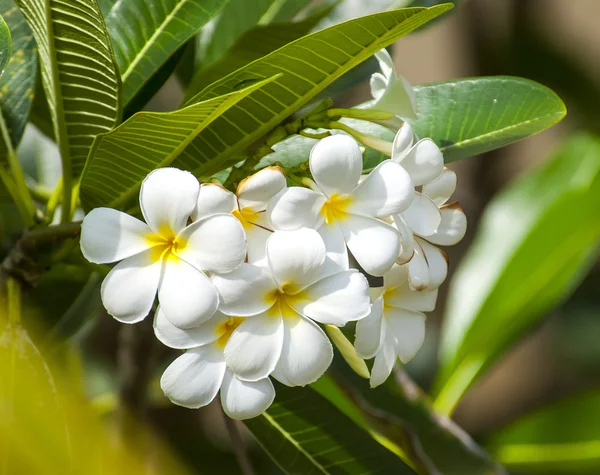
[(282, 302), (429, 221), (345, 211), (249, 206), (194, 378), (395, 328), (166, 255)]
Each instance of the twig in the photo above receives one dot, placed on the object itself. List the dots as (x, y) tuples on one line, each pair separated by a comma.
[(239, 447)]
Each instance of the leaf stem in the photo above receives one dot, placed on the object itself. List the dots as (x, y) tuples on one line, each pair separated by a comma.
[(14, 301), (238, 445)]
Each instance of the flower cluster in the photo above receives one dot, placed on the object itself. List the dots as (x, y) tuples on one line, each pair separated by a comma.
[(244, 280)]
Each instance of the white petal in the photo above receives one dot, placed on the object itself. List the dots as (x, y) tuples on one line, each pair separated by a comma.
[(398, 98), (194, 379), (374, 244), (406, 240), (108, 235), (369, 336), (255, 346), (256, 241), (336, 164), (336, 255), (424, 162), (244, 291), (256, 190), (295, 208), (452, 227), (385, 359), (403, 142), (213, 198), (406, 298), (216, 243), (386, 64), (306, 353), (440, 190), (418, 269), (245, 399), (378, 83), (423, 216), (129, 289), (167, 198), (437, 262), (187, 297), (295, 257), (385, 191), (397, 276), (409, 329), (176, 337), (335, 300)]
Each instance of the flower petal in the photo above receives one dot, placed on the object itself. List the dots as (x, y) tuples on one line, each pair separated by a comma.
[(108, 235), (256, 242), (373, 243), (423, 216), (378, 83), (386, 64), (452, 227), (187, 297), (178, 338), (213, 198), (295, 208), (244, 291), (385, 359), (216, 243), (295, 257), (306, 353), (406, 240), (245, 399), (193, 380), (369, 336), (336, 164), (440, 190), (255, 346), (437, 262), (418, 269), (424, 162), (409, 329), (335, 300), (403, 142), (336, 255), (405, 298), (256, 190), (167, 198), (129, 289)]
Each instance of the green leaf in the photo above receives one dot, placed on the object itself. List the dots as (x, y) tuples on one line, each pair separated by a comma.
[(5, 45), (145, 33), (308, 66), (471, 116), (17, 84), (79, 74), (305, 434), (561, 438), (121, 159), (535, 242)]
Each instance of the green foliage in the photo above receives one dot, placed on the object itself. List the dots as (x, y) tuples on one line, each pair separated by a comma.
[(535, 242), (5, 45)]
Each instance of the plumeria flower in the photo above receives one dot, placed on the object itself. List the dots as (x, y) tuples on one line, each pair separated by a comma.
[(395, 328), (429, 221), (249, 206), (345, 211), (166, 255), (281, 303), (194, 378)]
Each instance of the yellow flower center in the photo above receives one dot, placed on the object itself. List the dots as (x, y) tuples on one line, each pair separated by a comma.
[(225, 329), (247, 216), (165, 244), (281, 302), (334, 209)]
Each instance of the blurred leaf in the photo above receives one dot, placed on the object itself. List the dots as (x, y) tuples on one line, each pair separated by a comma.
[(145, 33), (79, 73), (561, 438), (308, 66), (290, 8), (17, 84), (304, 433), (121, 159), (535, 243)]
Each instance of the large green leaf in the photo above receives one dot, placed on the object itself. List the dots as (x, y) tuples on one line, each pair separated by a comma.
[(121, 159), (145, 33), (5, 45), (561, 438), (305, 434), (308, 66), (535, 241), (17, 84), (79, 73)]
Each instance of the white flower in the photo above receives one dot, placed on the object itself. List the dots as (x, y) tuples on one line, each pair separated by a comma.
[(166, 255), (282, 302), (429, 221), (194, 379), (395, 328), (342, 210), (253, 195)]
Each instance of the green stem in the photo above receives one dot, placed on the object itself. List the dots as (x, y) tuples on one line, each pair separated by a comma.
[(53, 201), (363, 114), (14, 301)]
